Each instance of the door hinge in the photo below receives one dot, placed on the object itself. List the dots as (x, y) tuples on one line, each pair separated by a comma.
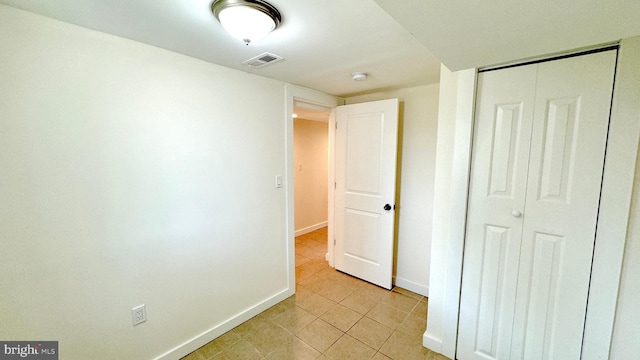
[(335, 185), (336, 125), (334, 241)]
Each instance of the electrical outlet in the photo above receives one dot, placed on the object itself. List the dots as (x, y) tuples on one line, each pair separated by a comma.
[(139, 314)]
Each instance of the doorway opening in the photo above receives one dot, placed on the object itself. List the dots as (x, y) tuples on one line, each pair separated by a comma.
[(311, 189)]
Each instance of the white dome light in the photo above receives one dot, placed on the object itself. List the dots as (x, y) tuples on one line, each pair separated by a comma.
[(359, 76), (246, 20)]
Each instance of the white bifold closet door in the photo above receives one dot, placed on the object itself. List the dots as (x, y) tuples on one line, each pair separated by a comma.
[(538, 154)]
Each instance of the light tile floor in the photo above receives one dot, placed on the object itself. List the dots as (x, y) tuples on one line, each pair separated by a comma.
[(331, 316)]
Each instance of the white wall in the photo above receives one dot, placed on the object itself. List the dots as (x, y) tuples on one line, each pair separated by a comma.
[(418, 131), (625, 344), (131, 175), (310, 161), (452, 165)]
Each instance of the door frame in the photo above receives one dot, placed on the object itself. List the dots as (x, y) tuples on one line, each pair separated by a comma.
[(617, 186), (293, 93)]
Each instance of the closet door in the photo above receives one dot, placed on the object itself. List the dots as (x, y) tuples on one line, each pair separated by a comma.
[(525, 282), (571, 118), (501, 147)]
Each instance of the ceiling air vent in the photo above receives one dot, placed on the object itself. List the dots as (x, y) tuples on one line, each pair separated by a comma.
[(262, 60)]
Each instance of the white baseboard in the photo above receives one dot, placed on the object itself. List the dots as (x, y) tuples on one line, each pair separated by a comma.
[(432, 343), (311, 228), (218, 330), (411, 286)]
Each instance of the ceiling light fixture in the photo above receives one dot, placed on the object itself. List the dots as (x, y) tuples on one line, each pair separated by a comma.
[(359, 76), (247, 20)]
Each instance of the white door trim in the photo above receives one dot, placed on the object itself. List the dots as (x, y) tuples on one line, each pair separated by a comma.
[(615, 204), (293, 92)]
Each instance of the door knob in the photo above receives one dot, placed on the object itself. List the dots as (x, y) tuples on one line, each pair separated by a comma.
[(516, 213), (387, 207)]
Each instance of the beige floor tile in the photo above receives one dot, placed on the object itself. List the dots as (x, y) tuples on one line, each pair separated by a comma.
[(370, 332), (331, 274), (435, 356), (320, 240), (303, 272), (301, 259), (400, 346), (400, 301), (413, 326), (319, 253), (294, 319), (294, 349), (336, 292), (279, 308), (302, 292), (387, 315), (408, 293), (216, 346), (241, 350), (342, 278), (349, 281), (319, 335), (316, 283), (420, 310), (310, 252), (268, 338), (381, 356), (375, 291), (360, 301), (348, 348), (316, 304), (341, 317), (250, 325), (310, 268)]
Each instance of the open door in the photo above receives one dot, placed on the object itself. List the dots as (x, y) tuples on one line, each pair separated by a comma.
[(365, 174)]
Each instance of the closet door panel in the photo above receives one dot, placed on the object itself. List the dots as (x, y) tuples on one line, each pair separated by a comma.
[(498, 181), (569, 136)]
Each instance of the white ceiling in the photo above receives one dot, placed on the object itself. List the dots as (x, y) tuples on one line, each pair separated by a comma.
[(324, 42), (474, 33)]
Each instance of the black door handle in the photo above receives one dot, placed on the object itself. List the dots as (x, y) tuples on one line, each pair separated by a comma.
[(387, 207)]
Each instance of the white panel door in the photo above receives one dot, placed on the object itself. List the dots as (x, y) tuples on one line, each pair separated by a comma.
[(498, 186), (571, 119), (526, 279), (366, 150)]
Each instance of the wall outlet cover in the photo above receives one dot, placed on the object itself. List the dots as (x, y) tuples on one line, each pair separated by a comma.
[(139, 314)]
